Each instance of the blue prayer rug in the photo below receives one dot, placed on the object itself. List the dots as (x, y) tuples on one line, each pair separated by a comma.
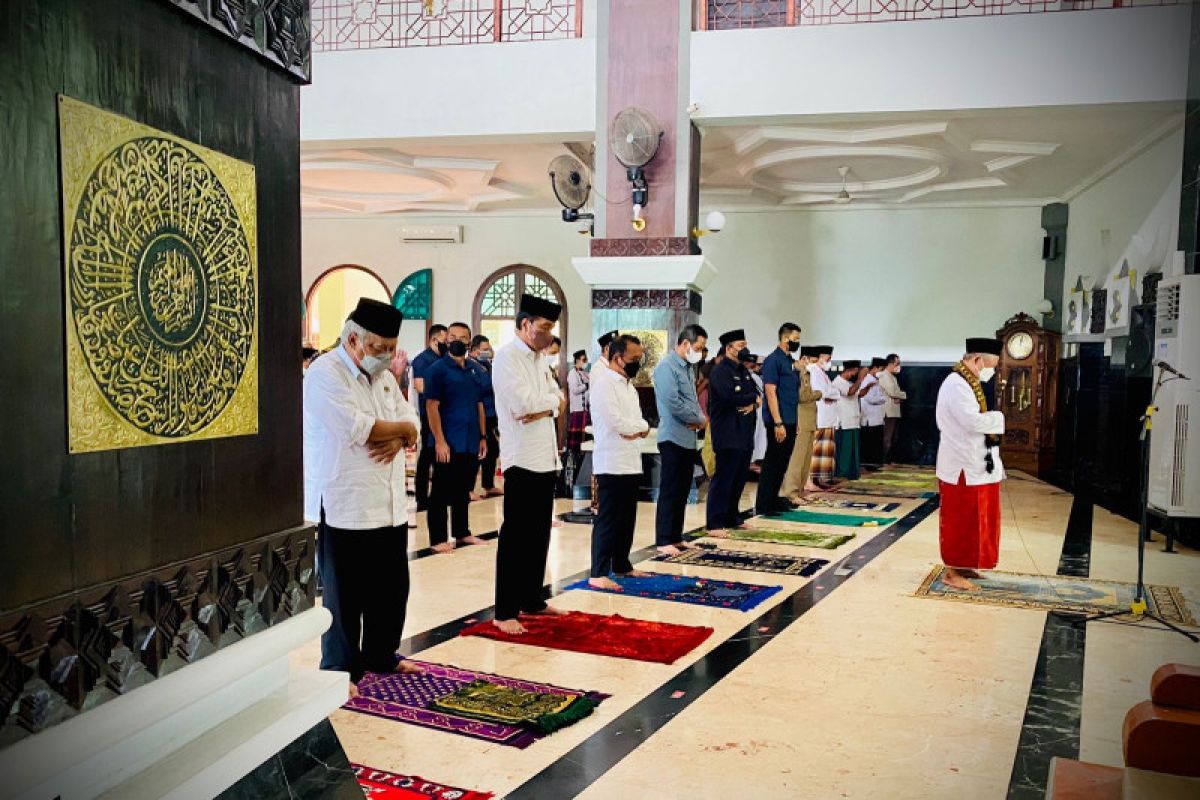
[(683, 589)]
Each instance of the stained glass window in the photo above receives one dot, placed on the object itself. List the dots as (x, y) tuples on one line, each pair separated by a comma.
[(500, 299), (414, 295), (496, 302)]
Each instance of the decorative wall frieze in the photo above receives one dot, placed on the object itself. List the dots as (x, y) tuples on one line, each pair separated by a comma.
[(69, 654), (642, 247), (278, 30), (675, 299)]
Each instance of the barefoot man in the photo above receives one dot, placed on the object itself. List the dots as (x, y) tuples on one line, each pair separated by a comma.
[(968, 466), (356, 426), (618, 428), (526, 404)]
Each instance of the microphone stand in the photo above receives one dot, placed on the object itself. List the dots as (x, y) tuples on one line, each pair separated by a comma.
[(1138, 607)]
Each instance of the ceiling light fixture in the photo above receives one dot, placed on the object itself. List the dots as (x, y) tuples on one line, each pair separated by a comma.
[(843, 196)]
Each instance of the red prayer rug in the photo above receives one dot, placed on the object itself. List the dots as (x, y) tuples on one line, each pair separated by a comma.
[(597, 634), (380, 785)]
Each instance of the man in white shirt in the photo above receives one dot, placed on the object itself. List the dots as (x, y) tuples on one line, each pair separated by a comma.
[(968, 467), (871, 404), (848, 386), (618, 428), (824, 457), (356, 423), (891, 408), (526, 405)]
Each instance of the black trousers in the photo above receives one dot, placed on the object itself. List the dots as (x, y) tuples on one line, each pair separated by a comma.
[(612, 532), (364, 574), (872, 444), (725, 491), (891, 426), (675, 476), (488, 464), (774, 467), (452, 484), (425, 462), (524, 540)]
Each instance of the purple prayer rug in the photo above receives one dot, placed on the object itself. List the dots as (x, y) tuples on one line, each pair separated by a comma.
[(407, 698)]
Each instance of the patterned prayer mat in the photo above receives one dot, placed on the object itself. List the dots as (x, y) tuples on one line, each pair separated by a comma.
[(408, 698), (819, 501), (597, 634), (378, 784), (1059, 593), (685, 589), (490, 702), (824, 541), (876, 490), (805, 517), (747, 560)]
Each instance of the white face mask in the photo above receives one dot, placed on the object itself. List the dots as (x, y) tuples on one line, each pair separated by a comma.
[(694, 356), (898, 370), (551, 361), (986, 374)]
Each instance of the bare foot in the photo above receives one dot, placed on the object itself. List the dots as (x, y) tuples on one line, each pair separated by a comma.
[(969, 573), (742, 526), (494, 493), (636, 573), (605, 583), (718, 533), (510, 626), (444, 547), (686, 545), (353, 690), (953, 579), (670, 550), (811, 487), (472, 540), (406, 667), (548, 611), (557, 523), (474, 498)]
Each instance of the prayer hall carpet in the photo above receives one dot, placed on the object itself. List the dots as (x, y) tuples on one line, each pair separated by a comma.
[(598, 634), (725, 558), (879, 490), (379, 784), (806, 517), (1058, 593), (851, 505), (685, 589), (824, 541), (409, 698)]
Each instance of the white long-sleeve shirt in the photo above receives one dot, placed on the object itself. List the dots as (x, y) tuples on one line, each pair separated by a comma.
[(578, 385), (961, 449), (522, 386), (616, 412), (891, 388), (871, 404), (827, 407), (341, 405), (847, 405)]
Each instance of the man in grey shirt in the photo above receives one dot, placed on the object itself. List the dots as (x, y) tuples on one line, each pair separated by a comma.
[(679, 418)]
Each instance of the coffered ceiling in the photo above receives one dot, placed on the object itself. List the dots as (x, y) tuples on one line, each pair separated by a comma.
[(1009, 157)]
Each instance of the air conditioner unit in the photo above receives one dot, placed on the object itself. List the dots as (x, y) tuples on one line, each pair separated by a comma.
[(431, 234), (1174, 487)]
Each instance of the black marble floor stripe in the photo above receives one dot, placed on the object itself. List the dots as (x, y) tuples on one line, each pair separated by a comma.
[(1054, 709), (588, 761)]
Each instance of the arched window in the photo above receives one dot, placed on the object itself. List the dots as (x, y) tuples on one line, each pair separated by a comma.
[(333, 295), (496, 304)]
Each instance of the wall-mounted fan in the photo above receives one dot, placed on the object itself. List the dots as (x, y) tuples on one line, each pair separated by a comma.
[(634, 138), (572, 186)]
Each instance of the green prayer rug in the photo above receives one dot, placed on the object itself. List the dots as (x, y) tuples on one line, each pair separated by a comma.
[(824, 541), (490, 702), (897, 483), (807, 517)]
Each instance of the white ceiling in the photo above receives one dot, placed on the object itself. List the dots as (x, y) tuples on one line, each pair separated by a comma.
[(1010, 157)]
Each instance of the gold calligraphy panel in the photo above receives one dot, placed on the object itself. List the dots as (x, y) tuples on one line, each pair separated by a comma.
[(161, 284)]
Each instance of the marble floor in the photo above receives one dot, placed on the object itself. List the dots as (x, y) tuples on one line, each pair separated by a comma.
[(841, 685)]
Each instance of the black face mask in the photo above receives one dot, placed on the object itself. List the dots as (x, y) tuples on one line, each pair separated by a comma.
[(442, 349), (793, 347), (631, 370), (457, 349)]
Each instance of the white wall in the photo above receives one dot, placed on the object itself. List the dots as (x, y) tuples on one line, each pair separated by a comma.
[(1119, 204), (867, 281), (1046, 59), (489, 243), (871, 282)]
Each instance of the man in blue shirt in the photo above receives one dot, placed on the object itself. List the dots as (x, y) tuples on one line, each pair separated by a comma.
[(436, 340), (781, 385), (679, 418), (454, 405), (481, 353)]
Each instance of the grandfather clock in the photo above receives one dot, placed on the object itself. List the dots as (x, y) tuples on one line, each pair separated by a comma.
[(1027, 393)]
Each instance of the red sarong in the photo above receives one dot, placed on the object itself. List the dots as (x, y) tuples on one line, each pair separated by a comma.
[(970, 524)]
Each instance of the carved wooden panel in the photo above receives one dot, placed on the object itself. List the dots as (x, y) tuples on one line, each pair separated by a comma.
[(642, 247), (278, 30), (678, 299)]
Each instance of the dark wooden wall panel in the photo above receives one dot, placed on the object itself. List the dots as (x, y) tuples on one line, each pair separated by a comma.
[(70, 522)]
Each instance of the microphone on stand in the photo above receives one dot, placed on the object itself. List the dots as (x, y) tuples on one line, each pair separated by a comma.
[(1165, 367)]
